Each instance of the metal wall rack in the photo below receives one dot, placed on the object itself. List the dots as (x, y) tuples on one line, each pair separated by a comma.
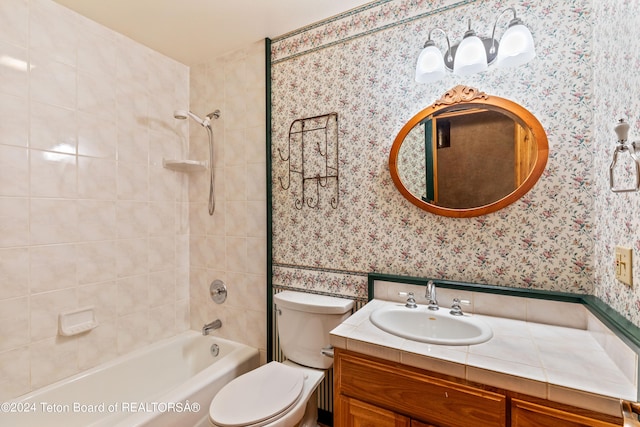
[(312, 154)]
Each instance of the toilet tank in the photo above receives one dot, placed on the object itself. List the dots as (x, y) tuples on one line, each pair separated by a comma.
[(304, 321)]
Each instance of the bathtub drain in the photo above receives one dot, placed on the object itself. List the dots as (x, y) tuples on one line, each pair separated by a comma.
[(215, 350)]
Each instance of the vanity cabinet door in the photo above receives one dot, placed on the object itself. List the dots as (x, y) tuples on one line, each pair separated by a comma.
[(354, 413), (528, 414)]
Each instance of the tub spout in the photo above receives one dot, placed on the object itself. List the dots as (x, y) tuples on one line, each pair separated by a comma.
[(216, 324)]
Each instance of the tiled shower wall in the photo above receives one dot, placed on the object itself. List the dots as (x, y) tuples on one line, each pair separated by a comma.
[(231, 244), (88, 215)]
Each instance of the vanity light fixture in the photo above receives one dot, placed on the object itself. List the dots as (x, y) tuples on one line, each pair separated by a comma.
[(474, 54), (622, 131)]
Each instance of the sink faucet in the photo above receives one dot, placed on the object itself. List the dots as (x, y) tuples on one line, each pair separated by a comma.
[(430, 295), (216, 324)]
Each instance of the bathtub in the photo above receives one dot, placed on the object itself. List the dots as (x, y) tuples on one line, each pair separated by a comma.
[(170, 383)]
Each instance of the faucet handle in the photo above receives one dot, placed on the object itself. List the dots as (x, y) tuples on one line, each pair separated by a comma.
[(456, 307), (411, 300)]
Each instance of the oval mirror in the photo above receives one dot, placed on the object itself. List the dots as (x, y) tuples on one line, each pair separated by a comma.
[(468, 154)]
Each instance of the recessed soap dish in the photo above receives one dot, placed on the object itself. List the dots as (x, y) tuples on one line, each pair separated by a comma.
[(77, 321)]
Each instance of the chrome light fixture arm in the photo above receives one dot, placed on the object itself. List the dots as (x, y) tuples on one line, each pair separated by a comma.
[(448, 59), (514, 21)]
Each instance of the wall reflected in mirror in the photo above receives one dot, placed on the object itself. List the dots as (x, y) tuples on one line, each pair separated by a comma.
[(466, 158)]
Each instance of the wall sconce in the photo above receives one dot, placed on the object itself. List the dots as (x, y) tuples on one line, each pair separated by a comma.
[(474, 54), (622, 131)]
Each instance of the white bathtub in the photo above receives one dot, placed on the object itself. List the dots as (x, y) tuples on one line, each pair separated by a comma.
[(170, 383)]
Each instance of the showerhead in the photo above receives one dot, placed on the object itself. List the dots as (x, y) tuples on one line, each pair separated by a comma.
[(180, 114), (183, 114)]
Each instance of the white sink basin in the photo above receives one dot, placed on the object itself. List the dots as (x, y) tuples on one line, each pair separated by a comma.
[(435, 327)]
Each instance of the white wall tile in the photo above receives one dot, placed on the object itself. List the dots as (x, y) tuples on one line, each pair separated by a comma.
[(14, 372), (14, 272), (132, 257), (133, 295), (96, 178), (14, 21), (97, 134), (14, 221), (53, 174), (14, 171), (14, 323), (53, 32), (52, 360), (98, 346), (52, 82), (133, 182), (96, 220), (53, 221), (13, 79), (133, 331), (52, 267), (14, 128), (97, 94), (53, 128), (76, 188), (103, 297)]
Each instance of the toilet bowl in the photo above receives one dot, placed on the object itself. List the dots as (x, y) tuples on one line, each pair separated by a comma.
[(283, 394), (276, 394)]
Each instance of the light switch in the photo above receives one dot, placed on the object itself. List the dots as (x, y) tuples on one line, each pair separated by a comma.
[(623, 265)]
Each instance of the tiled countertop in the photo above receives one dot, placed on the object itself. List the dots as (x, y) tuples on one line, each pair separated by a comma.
[(558, 363)]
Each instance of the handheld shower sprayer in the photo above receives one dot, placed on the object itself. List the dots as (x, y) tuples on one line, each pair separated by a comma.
[(183, 114), (205, 123)]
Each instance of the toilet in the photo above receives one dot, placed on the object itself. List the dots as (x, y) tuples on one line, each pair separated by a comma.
[(283, 394)]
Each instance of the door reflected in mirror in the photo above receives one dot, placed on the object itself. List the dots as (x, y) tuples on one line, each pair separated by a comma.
[(468, 154)]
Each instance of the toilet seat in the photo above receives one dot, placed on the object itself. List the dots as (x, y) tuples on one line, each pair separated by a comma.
[(257, 397)]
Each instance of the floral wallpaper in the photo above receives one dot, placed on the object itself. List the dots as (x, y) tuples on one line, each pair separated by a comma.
[(361, 66), (616, 79)]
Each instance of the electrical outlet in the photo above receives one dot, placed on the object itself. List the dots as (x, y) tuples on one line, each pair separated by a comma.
[(623, 265)]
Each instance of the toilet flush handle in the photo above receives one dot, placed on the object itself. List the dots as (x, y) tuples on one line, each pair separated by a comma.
[(327, 351)]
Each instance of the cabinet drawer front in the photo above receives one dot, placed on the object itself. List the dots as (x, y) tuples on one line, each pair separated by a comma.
[(528, 414), (433, 400)]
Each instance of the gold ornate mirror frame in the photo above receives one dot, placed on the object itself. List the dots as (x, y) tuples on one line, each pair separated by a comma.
[(461, 97)]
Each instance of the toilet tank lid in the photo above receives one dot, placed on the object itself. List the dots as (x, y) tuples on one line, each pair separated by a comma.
[(312, 303)]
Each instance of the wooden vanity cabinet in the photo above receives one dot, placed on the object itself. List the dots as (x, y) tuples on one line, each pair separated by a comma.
[(369, 392)]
